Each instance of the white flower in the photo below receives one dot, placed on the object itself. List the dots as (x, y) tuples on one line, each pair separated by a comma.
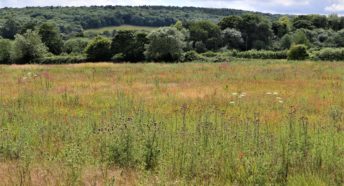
[(268, 93), (232, 102), (281, 101), (234, 94), (275, 93)]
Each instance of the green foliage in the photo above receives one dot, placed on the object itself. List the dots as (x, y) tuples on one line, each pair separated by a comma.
[(261, 54), (191, 56), (28, 47), (130, 44), (233, 22), (75, 45), (255, 28), (206, 32), (232, 38), (99, 49), (339, 38), (61, 60), (300, 38), (286, 42), (10, 28), (51, 37), (5, 51), (165, 44), (330, 54), (280, 28), (298, 52)]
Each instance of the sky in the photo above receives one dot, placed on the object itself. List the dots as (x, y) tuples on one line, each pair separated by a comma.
[(269, 6)]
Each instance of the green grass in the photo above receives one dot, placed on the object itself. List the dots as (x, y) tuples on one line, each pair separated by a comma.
[(122, 27), (241, 123)]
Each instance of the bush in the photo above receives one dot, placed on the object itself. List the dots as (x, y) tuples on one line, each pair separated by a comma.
[(298, 52), (99, 49), (191, 56), (261, 54), (5, 51), (61, 60), (75, 45), (330, 54)]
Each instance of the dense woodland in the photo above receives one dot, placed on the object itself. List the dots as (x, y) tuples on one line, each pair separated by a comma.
[(56, 35)]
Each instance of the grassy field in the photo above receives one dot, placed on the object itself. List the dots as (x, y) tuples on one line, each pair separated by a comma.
[(122, 27), (239, 123)]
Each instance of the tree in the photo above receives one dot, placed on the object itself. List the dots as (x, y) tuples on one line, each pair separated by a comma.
[(232, 38), (99, 49), (5, 51), (230, 22), (280, 28), (28, 47), (51, 37), (207, 32), (255, 28), (305, 24), (286, 42), (10, 28), (165, 44), (339, 38), (130, 45), (300, 38)]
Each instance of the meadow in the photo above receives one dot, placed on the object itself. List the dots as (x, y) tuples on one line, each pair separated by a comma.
[(246, 122), (120, 28)]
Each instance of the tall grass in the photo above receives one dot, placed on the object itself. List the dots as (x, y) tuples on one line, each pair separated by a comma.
[(204, 124)]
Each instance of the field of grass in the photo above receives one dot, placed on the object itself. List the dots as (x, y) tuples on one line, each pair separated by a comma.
[(122, 27), (240, 123)]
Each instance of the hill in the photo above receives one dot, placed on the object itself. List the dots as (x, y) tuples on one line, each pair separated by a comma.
[(74, 19)]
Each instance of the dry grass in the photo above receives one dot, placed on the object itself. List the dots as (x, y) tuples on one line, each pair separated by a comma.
[(62, 111)]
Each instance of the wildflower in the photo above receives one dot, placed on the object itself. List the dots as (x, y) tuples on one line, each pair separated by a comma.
[(234, 93), (232, 102), (281, 101), (268, 93), (275, 93)]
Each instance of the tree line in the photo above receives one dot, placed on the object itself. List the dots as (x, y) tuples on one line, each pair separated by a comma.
[(183, 40)]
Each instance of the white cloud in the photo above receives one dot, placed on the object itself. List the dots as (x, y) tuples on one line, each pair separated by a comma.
[(336, 6)]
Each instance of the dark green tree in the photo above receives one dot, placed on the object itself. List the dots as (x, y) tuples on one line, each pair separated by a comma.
[(256, 31), (51, 37), (99, 49), (207, 32), (231, 22), (27, 47), (10, 28)]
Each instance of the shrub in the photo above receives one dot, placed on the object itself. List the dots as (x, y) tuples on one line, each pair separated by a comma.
[(191, 56), (27, 47), (75, 45), (298, 52), (5, 51), (99, 49), (330, 54), (261, 54), (61, 60)]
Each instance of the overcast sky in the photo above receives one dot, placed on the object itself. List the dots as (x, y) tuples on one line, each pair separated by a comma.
[(272, 6)]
